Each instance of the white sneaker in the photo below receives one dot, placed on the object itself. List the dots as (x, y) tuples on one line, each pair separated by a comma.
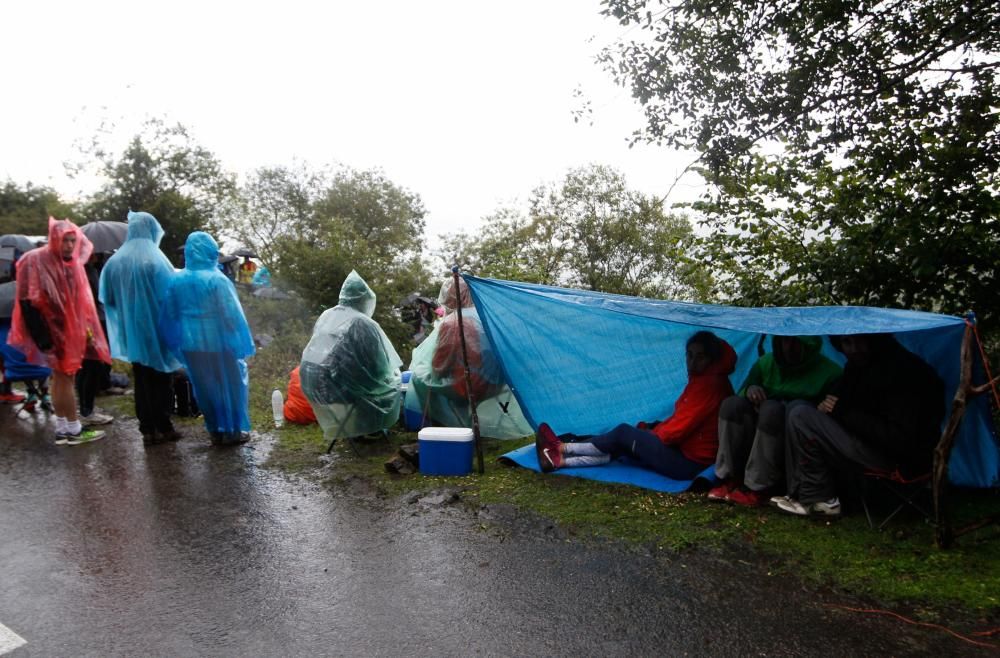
[(95, 418), (828, 507), (790, 505)]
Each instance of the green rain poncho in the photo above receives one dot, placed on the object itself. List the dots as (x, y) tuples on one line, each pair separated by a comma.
[(809, 379), (438, 375), (350, 370)]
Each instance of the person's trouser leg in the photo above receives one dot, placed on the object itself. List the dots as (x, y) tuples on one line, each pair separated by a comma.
[(737, 421), (161, 399), (143, 404), (765, 466), (647, 448), (818, 446), (87, 381)]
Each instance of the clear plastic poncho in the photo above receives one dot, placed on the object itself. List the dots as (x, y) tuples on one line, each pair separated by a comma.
[(350, 370), (58, 289), (202, 323), (134, 283), (437, 386)]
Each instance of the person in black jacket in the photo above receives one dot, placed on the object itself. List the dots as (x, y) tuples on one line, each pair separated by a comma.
[(884, 413)]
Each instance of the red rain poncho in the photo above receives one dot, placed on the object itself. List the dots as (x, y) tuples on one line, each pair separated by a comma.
[(58, 289)]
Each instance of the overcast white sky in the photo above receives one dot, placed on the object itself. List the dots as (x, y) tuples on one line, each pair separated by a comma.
[(466, 103)]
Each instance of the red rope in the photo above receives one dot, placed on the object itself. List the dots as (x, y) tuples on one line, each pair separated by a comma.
[(924, 623), (986, 364)]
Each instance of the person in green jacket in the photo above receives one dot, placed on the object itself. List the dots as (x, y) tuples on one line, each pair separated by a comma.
[(751, 457)]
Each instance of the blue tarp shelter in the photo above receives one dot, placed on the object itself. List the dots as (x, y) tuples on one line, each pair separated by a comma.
[(584, 361)]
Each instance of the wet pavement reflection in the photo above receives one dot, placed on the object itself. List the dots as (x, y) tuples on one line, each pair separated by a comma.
[(186, 549)]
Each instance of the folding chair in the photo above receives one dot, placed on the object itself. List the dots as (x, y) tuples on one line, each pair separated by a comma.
[(351, 439), (900, 491)]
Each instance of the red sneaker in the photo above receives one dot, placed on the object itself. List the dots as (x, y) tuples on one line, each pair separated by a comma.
[(548, 449), (11, 398), (721, 492), (748, 497)]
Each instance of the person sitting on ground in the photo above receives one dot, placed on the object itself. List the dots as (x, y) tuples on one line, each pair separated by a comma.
[(681, 446), (751, 460), (203, 325), (133, 285), (884, 413), (438, 366), (349, 370), (55, 321), (297, 409)]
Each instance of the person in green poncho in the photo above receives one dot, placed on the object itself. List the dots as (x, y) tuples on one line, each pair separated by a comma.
[(751, 457)]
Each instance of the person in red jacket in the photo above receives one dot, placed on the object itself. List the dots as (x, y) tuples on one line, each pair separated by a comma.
[(681, 446)]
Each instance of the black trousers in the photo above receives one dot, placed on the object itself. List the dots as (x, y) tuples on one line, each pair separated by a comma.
[(154, 398), (88, 382)]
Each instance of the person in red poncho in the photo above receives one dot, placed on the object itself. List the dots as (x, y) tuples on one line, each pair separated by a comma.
[(55, 321), (297, 408), (681, 446)]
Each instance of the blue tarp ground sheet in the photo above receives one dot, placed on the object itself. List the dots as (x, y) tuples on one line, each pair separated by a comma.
[(621, 471), (584, 361)]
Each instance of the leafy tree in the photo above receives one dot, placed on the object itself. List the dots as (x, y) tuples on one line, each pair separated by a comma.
[(852, 149), (273, 202), (590, 231), (164, 172), (362, 221), (27, 209)]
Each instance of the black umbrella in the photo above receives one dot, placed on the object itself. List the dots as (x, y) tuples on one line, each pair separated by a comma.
[(106, 236), (244, 252), (7, 292), (20, 242), (226, 259)]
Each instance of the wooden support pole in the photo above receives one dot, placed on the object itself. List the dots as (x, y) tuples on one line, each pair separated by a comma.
[(468, 378), (944, 533)]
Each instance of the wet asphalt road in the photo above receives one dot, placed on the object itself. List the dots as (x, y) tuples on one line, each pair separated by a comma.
[(112, 549)]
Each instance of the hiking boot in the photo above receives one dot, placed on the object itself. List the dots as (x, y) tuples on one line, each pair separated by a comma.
[(790, 505), (95, 418), (747, 497), (548, 448), (84, 436), (721, 492), (11, 398), (826, 507)]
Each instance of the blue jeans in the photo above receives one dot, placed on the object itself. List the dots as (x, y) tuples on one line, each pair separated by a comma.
[(647, 448)]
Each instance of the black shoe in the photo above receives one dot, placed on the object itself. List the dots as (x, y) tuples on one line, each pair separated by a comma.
[(152, 438), (171, 435)]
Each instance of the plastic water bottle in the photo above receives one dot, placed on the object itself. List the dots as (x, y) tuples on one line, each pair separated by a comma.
[(278, 408)]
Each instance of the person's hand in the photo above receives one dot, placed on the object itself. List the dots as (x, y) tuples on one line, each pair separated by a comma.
[(828, 403), (756, 394), (90, 337)]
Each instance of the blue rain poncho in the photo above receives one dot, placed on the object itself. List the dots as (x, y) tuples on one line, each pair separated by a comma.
[(262, 278), (437, 386), (203, 325), (350, 370), (134, 283)]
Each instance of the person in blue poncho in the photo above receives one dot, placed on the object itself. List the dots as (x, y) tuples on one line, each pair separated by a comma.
[(203, 325), (262, 278), (350, 370), (133, 285)]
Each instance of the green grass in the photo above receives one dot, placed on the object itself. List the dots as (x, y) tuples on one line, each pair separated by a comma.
[(898, 567)]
